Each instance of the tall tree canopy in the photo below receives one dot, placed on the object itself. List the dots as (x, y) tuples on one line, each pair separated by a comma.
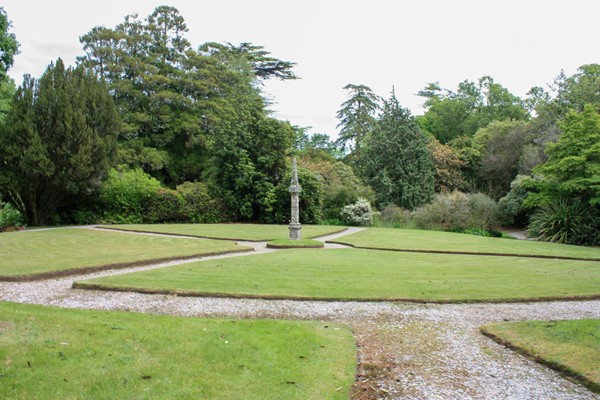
[(9, 46), (58, 140), (177, 102), (357, 116), (396, 160), (474, 105)]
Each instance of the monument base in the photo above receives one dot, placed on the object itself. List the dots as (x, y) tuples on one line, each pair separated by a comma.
[(295, 231)]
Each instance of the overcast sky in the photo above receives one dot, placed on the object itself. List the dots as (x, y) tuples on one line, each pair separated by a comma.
[(378, 43)]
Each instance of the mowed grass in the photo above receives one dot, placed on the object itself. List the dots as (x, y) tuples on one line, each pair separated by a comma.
[(249, 232), (422, 240), (50, 353), (356, 274), (572, 347), (35, 252)]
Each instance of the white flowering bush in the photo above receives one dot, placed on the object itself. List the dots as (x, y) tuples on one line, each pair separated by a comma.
[(359, 213)]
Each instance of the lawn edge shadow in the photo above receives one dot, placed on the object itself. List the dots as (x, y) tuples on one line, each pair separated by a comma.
[(106, 267), (562, 369), (464, 253), (191, 235)]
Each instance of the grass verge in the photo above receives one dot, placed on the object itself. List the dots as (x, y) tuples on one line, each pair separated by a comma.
[(571, 347), (50, 353), (249, 232), (356, 274), (57, 252), (448, 242), (291, 244)]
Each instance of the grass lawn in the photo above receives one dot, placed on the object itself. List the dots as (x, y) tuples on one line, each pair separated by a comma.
[(290, 244), (50, 353), (251, 232), (59, 250), (572, 347), (412, 239), (348, 274)]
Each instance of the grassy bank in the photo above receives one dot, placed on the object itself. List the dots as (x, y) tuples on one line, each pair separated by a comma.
[(49, 353)]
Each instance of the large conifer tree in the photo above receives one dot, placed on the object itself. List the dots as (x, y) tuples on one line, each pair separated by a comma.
[(396, 161), (57, 142)]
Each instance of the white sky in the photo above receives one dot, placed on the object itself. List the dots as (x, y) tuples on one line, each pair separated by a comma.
[(378, 43)]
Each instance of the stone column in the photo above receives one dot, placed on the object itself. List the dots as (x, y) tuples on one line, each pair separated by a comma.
[(295, 192)]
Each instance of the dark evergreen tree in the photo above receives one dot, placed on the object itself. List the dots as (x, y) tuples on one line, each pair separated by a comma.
[(357, 117), (58, 141), (396, 161)]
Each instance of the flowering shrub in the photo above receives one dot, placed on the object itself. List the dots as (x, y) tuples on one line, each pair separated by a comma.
[(359, 213)]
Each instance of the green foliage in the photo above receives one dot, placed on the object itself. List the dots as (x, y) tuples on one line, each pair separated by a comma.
[(510, 207), (181, 106), (471, 107), (340, 186), (566, 221), (7, 91), (572, 171), (396, 161), (58, 141), (357, 117), (359, 213), (10, 217), (125, 195), (311, 199), (163, 206), (499, 147), (393, 217), (457, 211), (199, 206), (9, 47)]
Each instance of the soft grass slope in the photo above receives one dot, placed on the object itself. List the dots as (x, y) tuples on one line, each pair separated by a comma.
[(572, 347), (49, 353), (422, 240), (355, 274), (251, 232), (58, 250)]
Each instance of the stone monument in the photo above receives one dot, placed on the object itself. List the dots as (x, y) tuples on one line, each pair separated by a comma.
[(295, 225)]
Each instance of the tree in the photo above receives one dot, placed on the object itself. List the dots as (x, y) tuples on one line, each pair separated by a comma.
[(58, 141), (572, 170), (499, 147), (357, 116), (9, 47), (473, 106), (396, 161), (447, 164)]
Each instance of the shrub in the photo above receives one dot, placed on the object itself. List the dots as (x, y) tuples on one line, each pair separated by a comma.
[(562, 221), (393, 216), (456, 212), (199, 206), (510, 207), (447, 211), (10, 217), (162, 206), (359, 213), (125, 195), (483, 212)]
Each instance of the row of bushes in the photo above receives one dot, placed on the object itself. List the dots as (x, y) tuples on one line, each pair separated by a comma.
[(457, 212), (10, 218), (133, 197)]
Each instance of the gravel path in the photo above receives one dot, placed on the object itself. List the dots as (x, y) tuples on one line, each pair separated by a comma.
[(406, 351)]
